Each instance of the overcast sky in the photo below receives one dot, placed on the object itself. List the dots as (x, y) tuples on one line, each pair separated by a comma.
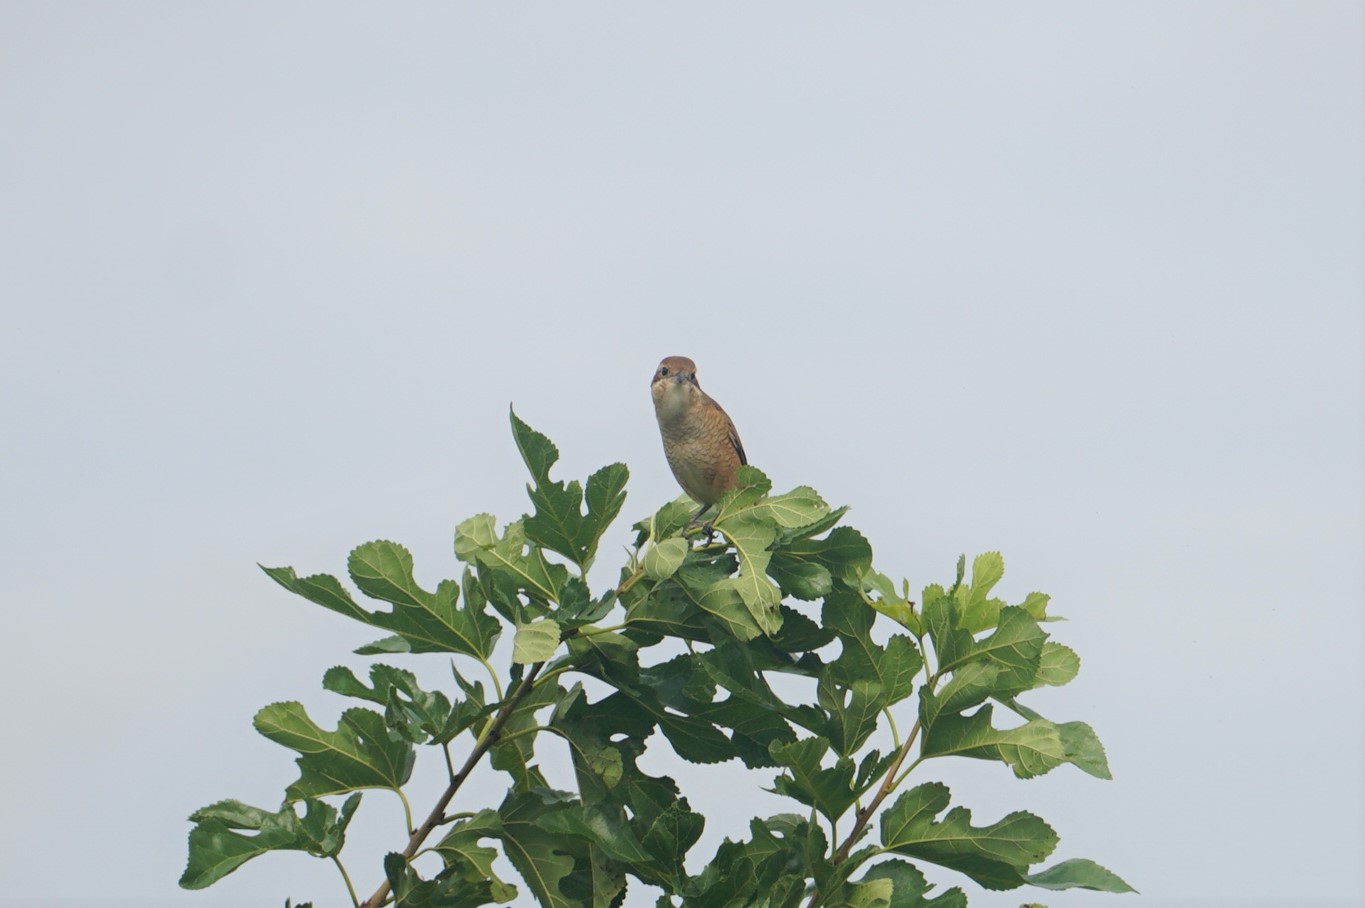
[(1080, 282)]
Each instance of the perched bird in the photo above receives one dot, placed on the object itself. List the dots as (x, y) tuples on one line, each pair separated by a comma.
[(700, 441)]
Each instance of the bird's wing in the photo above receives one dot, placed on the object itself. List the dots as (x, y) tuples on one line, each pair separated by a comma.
[(733, 436)]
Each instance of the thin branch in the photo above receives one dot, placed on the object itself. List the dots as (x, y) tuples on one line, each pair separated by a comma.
[(889, 783), (490, 737), (355, 899)]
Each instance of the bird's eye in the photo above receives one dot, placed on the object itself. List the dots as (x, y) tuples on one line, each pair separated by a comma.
[(663, 370)]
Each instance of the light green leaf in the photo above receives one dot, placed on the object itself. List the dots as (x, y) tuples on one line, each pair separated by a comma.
[(987, 569), (663, 558), (1083, 749), (910, 888), (800, 507), (872, 894), (1079, 873), (535, 642), (751, 539), (1058, 664), (426, 622), (891, 603)]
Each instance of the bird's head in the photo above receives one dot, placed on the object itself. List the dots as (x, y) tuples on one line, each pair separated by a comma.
[(675, 385)]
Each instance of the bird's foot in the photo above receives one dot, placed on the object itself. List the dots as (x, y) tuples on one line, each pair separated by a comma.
[(707, 530)]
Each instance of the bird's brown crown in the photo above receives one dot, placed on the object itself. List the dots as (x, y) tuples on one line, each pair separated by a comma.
[(671, 366)]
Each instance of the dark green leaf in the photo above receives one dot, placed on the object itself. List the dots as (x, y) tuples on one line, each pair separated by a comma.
[(853, 709), (844, 553), (427, 622), (829, 790), (1030, 749), (516, 750), (217, 848), (803, 580), (322, 589), (543, 859), (995, 856), (537, 451)]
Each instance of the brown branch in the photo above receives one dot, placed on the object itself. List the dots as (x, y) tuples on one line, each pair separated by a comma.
[(437, 815), (864, 816)]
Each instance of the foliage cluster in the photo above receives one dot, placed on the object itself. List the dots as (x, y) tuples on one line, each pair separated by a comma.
[(734, 605)]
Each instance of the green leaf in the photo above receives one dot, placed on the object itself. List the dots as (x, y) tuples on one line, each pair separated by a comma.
[(760, 595), (668, 837), (909, 888), (800, 507), (1083, 749), (1081, 746), (559, 523), (322, 589), (476, 541), (605, 496), (359, 754), (710, 589), (451, 888), (1015, 648), (844, 553), (537, 450), (515, 751), (471, 862), (853, 709), (830, 790), (1079, 873), (1036, 605), (427, 622), (419, 716), (802, 579), (1030, 750), (871, 894), (535, 642), (610, 834), (1058, 664), (970, 685), (663, 559), (995, 856), (385, 646), (216, 848), (543, 859), (892, 667), (891, 603)]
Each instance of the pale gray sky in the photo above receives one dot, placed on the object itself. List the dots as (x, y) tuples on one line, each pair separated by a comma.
[(1081, 282)]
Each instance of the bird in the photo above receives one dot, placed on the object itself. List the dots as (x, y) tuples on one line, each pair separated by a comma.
[(700, 441)]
